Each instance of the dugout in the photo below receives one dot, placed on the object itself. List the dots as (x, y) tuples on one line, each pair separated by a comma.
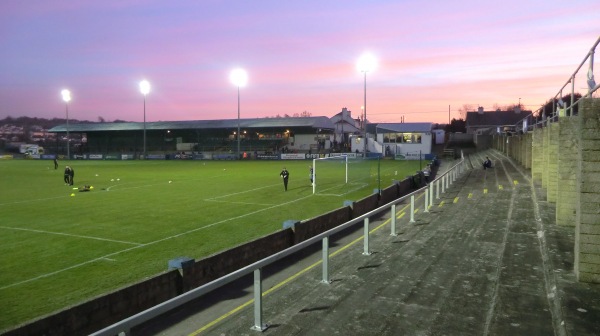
[(262, 135)]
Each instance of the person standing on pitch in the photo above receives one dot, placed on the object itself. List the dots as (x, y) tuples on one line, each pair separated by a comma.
[(67, 175), (285, 175), (71, 175), (55, 163), (310, 174)]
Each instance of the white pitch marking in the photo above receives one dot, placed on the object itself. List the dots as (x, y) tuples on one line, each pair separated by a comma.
[(147, 244), (247, 203), (69, 235), (241, 192)]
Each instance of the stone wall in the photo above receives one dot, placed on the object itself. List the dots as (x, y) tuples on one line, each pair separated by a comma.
[(568, 152), (545, 155), (528, 148), (552, 161), (587, 232), (537, 154), (565, 159)]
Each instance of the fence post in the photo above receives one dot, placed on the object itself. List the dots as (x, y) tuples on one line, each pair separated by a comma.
[(443, 184), (366, 237), (426, 200), (430, 194), (325, 260), (437, 189), (393, 218), (412, 208), (258, 325)]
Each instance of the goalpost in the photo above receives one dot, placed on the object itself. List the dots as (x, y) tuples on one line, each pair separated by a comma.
[(330, 172), (342, 174)]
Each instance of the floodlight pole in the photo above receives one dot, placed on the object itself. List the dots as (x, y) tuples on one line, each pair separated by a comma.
[(144, 89), (365, 116), (68, 142), (66, 96), (239, 78), (144, 150), (238, 125)]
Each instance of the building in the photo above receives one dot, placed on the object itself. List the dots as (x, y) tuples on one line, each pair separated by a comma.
[(490, 122), (259, 135), (401, 140), (345, 126)]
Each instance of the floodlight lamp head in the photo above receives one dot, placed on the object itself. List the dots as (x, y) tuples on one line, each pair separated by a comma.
[(66, 95), (366, 63), (239, 77), (144, 87)]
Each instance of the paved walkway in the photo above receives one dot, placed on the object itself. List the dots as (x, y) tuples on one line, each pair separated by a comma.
[(486, 260)]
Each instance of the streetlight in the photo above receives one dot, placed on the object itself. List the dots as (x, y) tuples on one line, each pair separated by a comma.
[(366, 63), (144, 89), (66, 96), (239, 78)]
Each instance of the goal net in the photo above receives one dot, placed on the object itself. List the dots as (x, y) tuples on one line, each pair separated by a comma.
[(340, 175)]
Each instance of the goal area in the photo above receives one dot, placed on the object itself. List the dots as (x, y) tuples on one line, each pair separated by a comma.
[(340, 175)]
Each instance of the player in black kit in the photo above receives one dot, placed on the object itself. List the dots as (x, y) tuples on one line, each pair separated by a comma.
[(285, 175)]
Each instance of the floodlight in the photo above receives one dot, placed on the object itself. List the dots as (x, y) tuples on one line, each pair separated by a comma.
[(239, 77), (366, 63), (144, 87), (66, 95)]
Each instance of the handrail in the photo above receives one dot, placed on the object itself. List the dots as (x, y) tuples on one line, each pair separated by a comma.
[(558, 96), (125, 325)]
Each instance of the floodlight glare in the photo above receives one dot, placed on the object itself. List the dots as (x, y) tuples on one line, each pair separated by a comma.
[(144, 87), (366, 63), (238, 77), (66, 95)]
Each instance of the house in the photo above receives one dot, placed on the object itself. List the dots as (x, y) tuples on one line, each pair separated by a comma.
[(345, 126), (490, 122)]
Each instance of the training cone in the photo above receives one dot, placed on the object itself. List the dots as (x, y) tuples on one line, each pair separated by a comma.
[(72, 194), (91, 187)]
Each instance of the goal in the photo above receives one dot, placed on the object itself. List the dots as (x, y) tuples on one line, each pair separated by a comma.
[(340, 175)]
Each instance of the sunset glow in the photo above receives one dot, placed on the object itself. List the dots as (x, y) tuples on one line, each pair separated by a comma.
[(302, 56)]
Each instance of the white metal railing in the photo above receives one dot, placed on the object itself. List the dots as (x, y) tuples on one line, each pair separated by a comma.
[(564, 110), (124, 327)]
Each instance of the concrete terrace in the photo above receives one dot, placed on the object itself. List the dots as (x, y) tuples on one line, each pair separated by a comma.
[(488, 259)]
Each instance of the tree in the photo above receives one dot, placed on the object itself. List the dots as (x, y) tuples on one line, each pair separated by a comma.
[(456, 126), (466, 108), (550, 106)]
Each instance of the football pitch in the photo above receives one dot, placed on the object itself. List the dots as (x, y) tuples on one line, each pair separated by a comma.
[(60, 247)]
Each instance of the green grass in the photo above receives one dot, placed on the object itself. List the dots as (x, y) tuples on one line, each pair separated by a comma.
[(58, 250)]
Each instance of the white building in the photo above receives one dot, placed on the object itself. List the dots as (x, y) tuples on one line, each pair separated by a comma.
[(345, 126), (406, 140)]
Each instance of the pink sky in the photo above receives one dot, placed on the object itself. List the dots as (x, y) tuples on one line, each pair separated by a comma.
[(300, 56)]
